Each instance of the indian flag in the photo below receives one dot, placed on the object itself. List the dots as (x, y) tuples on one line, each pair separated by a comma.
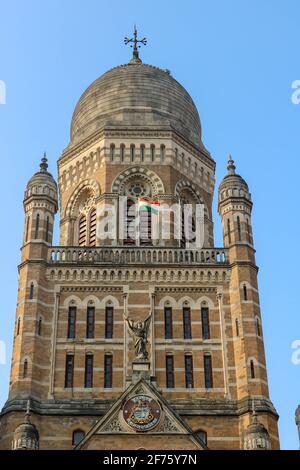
[(148, 206)]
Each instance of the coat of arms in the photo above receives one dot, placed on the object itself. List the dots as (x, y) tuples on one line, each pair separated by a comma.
[(141, 412)]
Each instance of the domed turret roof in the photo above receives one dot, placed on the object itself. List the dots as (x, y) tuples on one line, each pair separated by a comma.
[(137, 96), (233, 186), (232, 179), (256, 436), (26, 435), (42, 183)]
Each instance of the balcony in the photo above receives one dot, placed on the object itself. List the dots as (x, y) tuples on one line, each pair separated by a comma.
[(108, 255)]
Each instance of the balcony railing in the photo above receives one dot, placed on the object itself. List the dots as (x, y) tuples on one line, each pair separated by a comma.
[(136, 255)]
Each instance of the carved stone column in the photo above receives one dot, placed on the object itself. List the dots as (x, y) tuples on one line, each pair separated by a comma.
[(53, 351), (125, 352), (224, 343), (152, 308)]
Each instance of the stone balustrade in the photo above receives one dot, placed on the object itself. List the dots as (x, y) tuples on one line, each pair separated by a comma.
[(136, 255)]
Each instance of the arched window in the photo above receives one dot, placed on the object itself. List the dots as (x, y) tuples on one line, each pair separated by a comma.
[(47, 229), (71, 333), (248, 230), (77, 436), (25, 369), (187, 327), (145, 221), (169, 371), (176, 156), (258, 329), (152, 152), (109, 322), (92, 227), (208, 374), (237, 327), (108, 361), (245, 293), (238, 221), (162, 152), (27, 228), (37, 226), (202, 435), (189, 371), (69, 371), (90, 322), (122, 152), (82, 231), (31, 292), (39, 327), (112, 152), (132, 152), (18, 326), (168, 323), (228, 231), (252, 369), (187, 224), (130, 223), (142, 152), (205, 323), (88, 373)]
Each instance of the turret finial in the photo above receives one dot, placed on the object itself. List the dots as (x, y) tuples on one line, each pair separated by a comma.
[(27, 414), (135, 53), (44, 163), (254, 415), (231, 166)]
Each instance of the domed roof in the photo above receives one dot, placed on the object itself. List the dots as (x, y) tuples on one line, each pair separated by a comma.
[(232, 179), (256, 435), (136, 95), (26, 435), (42, 182)]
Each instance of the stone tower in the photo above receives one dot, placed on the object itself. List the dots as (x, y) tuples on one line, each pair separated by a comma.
[(100, 371)]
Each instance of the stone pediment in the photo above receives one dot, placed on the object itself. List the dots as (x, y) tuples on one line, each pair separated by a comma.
[(141, 410)]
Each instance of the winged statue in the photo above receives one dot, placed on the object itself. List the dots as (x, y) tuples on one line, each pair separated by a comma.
[(139, 331)]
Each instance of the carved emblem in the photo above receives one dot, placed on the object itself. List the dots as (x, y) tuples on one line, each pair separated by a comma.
[(141, 413)]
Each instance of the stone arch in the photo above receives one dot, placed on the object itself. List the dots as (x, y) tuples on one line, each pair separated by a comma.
[(183, 300), (109, 298), (199, 302), (72, 300), (185, 184), (141, 172), (90, 298), (172, 302), (90, 187)]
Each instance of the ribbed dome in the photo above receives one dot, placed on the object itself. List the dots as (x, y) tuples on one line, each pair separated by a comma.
[(136, 96)]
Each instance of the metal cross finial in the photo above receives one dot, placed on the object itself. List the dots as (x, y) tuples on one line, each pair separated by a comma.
[(135, 46)]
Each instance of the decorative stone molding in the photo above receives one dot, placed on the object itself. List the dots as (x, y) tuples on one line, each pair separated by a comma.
[(144, 275), (152, 178), (88, 185)]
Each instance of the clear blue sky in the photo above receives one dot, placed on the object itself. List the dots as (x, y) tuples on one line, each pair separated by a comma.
[(237, 58)]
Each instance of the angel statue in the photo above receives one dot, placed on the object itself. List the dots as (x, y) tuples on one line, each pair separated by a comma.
[(140, 331)]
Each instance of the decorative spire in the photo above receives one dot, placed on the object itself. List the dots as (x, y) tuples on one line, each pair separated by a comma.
[(135, 53), (27, 414), (231, 166), (44, 163), (254, 415)]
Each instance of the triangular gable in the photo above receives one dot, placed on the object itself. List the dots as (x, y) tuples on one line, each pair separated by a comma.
[(112, 422)]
